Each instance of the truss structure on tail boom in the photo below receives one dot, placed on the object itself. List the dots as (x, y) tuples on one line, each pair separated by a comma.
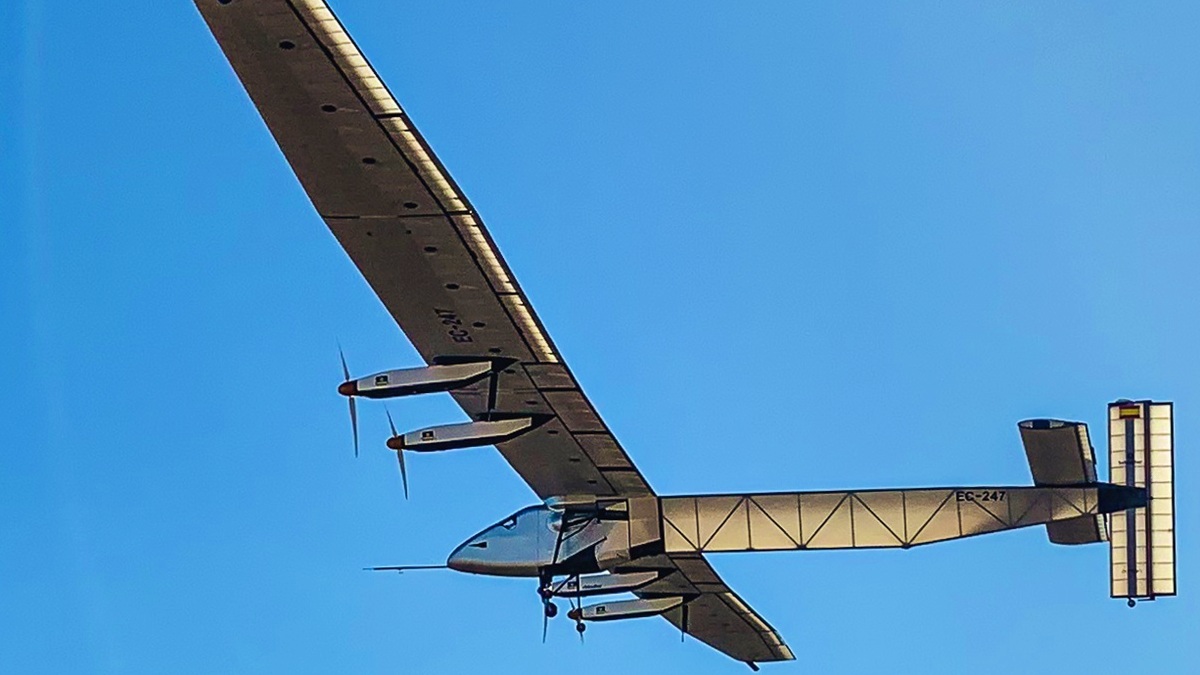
[(873, 518)]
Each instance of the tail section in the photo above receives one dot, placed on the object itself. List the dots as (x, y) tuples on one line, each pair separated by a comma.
[(1134, 511), (1060, 454), (1141, 437)]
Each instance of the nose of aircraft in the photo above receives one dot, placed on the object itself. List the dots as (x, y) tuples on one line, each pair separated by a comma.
[(467, 558), (348, 388)]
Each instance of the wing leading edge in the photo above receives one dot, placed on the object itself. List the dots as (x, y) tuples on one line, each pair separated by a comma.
[(414, 236), (420, 245)]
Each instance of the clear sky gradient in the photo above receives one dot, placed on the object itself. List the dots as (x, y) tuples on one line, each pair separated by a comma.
[(782, 245)]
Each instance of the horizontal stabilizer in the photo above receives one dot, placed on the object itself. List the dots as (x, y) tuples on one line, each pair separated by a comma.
[(1081, 530)]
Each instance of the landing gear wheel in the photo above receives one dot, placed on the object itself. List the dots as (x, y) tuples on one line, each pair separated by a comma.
[(580, 627), (1131, 602), (551, 610)]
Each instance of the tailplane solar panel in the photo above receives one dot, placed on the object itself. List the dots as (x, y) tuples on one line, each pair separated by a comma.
[(1141, 437)]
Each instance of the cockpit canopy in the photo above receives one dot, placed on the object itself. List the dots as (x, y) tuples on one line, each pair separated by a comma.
[(518, 545)]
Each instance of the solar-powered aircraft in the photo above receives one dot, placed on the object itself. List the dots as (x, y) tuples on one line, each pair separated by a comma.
[(600, 528)]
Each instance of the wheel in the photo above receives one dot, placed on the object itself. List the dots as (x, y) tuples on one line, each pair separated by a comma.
[(580, 627), (551, 610), (1131, 602)]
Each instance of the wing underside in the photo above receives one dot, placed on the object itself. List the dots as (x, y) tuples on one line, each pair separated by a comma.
[(414, 236), (714, 614), (420, 245)]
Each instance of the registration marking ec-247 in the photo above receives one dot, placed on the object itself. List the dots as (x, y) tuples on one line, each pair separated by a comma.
[(456, 331), (979, 495)]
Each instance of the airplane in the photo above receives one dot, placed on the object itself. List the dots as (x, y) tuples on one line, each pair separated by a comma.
[(600, 529)]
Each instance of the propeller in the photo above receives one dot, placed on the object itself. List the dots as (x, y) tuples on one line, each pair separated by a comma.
[(399, 453), (350, 397)]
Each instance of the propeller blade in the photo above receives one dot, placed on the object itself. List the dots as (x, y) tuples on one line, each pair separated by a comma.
[(354, 424), (391, 424), (399, 453), (353, 406), (403, 471)]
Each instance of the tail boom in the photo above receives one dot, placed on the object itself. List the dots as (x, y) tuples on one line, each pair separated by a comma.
[(876, 518)]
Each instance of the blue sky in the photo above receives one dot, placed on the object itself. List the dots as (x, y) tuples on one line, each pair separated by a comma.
[(787, 246)]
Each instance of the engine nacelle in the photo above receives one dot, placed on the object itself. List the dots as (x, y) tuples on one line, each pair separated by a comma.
[(625, 609), (465, 435), (423, 380), (602, 584)]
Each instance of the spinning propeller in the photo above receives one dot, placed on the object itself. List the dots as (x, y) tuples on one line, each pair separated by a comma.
[(546, 612), (347, 389), (399, 453)]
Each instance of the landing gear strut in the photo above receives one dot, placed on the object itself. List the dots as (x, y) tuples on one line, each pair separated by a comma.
[(549, 609)]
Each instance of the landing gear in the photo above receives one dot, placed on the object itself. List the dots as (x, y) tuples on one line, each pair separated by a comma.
[(1131, 602), (576, 613), (546, 590), (549, 609), (580, 627), (545, 582)]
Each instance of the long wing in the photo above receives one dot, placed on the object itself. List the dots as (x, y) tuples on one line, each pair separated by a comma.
[(716, 615), (413, 234)]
